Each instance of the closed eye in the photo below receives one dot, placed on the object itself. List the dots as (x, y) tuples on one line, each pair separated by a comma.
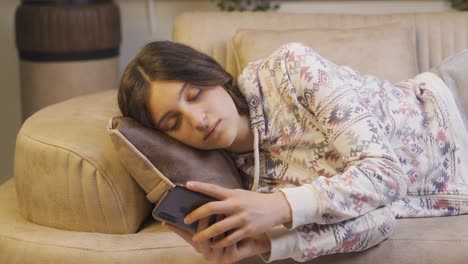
[(176, 123), (194, 94)]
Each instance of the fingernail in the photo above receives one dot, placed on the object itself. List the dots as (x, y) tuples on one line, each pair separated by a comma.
[(187, 221), (189, 184), (195, 239)]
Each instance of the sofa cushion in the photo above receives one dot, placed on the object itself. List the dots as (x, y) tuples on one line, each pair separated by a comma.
[(453, 71), (157, 161), (439, 34), (24, 242), (370, 50), (67, 172)]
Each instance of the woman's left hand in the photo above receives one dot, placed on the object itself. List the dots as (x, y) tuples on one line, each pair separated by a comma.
[(243, 249), (245, 213)]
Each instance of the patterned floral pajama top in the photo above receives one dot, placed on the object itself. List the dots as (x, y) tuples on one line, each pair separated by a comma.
[(351, 153)]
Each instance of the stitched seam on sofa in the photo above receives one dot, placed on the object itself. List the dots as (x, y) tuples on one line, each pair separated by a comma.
[(99, 197), (87, 159), (90, 249)]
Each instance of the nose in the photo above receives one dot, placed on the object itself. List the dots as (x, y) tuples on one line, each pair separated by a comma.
[(197, 118)]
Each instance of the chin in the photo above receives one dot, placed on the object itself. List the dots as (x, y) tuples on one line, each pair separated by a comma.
[(227, 142)]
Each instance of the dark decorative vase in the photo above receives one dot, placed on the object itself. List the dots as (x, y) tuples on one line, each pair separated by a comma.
[(461, 5), (66, 48)]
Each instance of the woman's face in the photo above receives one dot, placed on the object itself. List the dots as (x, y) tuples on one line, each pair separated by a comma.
[(201, 117)]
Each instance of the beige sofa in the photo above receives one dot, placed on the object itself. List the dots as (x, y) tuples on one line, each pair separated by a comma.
[(72, 201)]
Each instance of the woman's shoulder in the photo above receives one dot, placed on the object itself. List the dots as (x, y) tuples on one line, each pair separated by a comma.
[(280, 52)]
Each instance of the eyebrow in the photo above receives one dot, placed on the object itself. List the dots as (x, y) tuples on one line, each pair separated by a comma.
[(178, 98)]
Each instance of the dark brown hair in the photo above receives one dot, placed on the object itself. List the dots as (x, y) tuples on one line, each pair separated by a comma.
[(171, 61)]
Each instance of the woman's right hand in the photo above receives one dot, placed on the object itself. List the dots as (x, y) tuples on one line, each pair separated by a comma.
[(247, 213)]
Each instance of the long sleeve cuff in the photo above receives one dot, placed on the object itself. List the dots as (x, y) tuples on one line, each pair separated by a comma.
[(305, 205), (355, 235), (284, 244)]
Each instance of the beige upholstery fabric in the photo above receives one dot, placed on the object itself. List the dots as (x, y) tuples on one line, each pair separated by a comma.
[(370, 50), (415, 241), (23, 242), (454, 72), (439, 35), (68, 175)]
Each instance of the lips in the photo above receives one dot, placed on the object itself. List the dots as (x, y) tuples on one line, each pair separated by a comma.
[(211, 130)]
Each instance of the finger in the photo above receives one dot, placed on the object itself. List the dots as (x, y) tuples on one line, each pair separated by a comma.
[(182, 233), (208, 209), (241, 250), (217, 253), (244, 249), (230, 253), (204, 246), (209, 189), (232, 238), (217, 229)]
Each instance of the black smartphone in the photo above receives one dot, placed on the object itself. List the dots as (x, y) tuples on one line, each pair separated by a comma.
[(178, 202)]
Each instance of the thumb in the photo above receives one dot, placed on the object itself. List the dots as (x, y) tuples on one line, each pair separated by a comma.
[(209, 189)]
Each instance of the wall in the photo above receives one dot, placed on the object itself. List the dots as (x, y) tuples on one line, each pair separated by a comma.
[(365, 7), (10, 113), (136, 18), (143, 21)]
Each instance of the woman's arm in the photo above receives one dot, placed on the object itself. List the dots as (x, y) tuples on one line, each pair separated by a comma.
[(255, 214), (313, 240), (326, 93)]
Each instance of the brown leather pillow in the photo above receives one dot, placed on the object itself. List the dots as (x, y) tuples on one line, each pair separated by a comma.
[(157, 161)]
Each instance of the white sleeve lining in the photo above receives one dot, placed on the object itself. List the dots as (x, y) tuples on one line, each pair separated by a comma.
[(305, 205)]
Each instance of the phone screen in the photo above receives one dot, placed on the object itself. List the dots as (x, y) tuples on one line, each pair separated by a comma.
[(179, 202)]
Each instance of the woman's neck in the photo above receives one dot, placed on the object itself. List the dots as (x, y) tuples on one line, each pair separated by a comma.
[(245, 138)]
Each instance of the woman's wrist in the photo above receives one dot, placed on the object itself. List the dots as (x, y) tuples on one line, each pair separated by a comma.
[(283, 209), (263, 242)]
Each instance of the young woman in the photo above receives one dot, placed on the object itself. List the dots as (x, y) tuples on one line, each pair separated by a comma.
[(334, 157)]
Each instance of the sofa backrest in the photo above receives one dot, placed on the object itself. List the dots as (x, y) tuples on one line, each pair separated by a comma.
[(438, 35)]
